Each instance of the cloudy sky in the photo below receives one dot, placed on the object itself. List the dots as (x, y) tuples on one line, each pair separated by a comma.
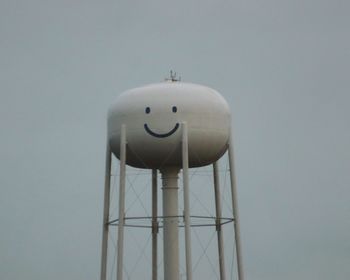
[(283, 66)]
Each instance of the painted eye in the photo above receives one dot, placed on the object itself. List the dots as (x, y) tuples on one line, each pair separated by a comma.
[(174, 109), (148, 110)]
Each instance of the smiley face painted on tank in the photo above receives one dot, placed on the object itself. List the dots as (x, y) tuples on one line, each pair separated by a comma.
[(148, 110), (152, 117)]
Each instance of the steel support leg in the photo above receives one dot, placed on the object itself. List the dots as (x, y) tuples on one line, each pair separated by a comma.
[(120, 243), (186, 202), (106, 212), (235, 211), (154, 225), (171, 223), (218, 222)]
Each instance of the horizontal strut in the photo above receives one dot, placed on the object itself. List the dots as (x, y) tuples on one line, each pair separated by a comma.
[(214, 221)]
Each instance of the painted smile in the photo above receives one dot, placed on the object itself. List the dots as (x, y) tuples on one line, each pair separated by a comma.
[(163, 135)]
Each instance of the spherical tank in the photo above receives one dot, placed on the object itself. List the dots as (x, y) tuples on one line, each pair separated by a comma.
[(153, 116)]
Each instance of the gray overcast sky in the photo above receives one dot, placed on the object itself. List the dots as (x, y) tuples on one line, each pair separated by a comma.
[(282, 65)]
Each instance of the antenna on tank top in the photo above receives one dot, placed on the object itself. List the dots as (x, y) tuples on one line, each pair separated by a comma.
[(173, 77)]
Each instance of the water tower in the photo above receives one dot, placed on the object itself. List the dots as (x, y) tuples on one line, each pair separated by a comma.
[(167, 127)]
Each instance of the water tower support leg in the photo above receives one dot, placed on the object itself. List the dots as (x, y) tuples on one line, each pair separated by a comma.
[(154, 224), (235, 211), (171, 223), (106, 212), (218, 221), (120, 243), (186, 201)]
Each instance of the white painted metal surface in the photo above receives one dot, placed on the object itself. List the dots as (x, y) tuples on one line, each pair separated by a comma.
[(106, 204), (171, 223), (236, 224), (120, 243), (186, 180), (153, 115), (218, 221), (154, 224), (169, 126)]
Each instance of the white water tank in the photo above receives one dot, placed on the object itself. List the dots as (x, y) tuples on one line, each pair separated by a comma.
[(153, 115)]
